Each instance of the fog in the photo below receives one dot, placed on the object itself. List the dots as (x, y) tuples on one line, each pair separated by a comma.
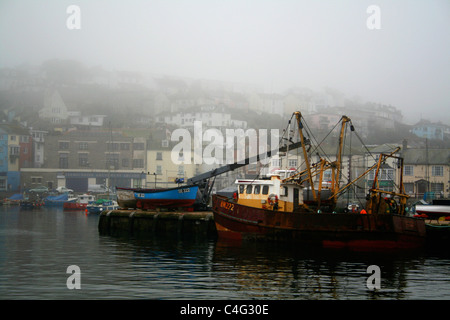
[(273, 43)]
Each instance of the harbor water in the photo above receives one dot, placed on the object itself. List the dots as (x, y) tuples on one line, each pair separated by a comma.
[(38, 246)]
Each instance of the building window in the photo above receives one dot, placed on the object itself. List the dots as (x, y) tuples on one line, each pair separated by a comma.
[(181, 170), (139, 146), (292, 163), (63, 160), (138, 163), (409, 188), (36, 180), (159, 156), (112, 146), (2, 184), (437, 187), (112, 161), (387, 174), (158, 169), (83, 146), (64, 145), (408, 171), (15, 151), (83, 159), (437, 171), (276, 162), (383, 174), (125, 162), (124, 146)]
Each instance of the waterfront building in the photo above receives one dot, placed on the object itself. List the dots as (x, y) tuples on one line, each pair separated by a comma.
[(15, 153), (427, 172), (78, 158)]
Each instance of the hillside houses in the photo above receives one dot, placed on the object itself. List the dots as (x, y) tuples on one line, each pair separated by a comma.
[(107, 127)]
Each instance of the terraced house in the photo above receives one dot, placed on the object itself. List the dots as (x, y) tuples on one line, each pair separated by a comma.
[(427, 171)]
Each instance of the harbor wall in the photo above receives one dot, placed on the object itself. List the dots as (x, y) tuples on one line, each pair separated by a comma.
[(144, 224)]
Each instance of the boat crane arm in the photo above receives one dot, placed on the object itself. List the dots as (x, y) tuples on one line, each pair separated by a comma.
[(376, 165), (233, 166)]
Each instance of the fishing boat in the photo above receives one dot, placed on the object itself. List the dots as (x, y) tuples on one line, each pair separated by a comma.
[(179, 197), (301, 207), (79, 203), (101, 205)]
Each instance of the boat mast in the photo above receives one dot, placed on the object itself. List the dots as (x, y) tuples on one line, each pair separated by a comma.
[(298, 116), (336, 168), (375, 202)]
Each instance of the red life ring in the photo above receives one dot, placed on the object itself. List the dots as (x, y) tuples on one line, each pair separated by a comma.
[(272, 199)]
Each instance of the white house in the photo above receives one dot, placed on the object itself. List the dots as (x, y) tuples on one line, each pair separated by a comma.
[(54, 108), (75, 118)]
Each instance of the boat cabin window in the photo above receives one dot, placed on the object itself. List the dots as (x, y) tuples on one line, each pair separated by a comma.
[(265, 190), (249, 189), (241, 188), (257, 189), (286, 191)]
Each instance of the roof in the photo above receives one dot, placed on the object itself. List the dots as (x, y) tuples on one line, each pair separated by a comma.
[(14, 129), (384, 148), (419, 156)]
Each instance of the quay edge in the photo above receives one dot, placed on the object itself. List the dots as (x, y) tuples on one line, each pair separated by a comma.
[(145, 224)]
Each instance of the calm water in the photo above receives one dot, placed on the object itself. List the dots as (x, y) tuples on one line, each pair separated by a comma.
[(37, 246)]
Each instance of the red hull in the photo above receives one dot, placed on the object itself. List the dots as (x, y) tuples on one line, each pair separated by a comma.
[(74, 206), (354, 231)]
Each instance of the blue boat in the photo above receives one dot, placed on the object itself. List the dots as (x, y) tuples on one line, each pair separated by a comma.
[(178, 197), (101, 205), (56, 200)]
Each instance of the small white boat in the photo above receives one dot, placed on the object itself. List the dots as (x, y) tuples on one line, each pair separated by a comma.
[(435, 210)]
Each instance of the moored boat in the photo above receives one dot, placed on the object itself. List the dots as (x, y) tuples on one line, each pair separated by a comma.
[(302, 208), (59, 200), (126, 198), (435, 210), (183, 196), (79, 203), (101, 205), (31, 204)]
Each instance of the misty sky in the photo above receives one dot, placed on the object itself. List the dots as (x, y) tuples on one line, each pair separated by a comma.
[(274, 43)]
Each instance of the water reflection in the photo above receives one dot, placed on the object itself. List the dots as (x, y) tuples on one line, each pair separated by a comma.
[(37, 247), (270, 271)]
